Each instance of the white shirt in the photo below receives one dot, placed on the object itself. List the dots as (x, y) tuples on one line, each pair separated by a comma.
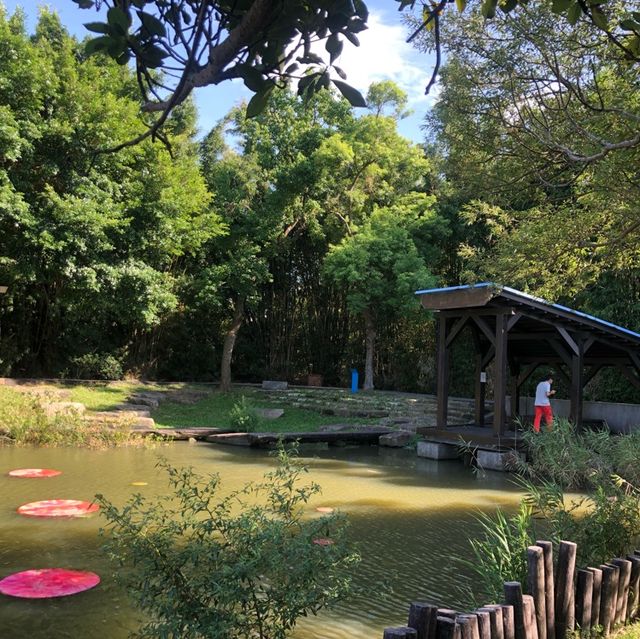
[(541, 394)]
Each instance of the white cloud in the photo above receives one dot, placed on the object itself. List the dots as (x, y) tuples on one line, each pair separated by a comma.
[(384, 54)]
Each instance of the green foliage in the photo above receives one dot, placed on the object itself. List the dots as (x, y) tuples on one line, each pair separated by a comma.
[(604, 524), (264, 46), (23, 421), (575, 458), (204, 564), (243, 417), (93, 241), (96, 366), (499, 554)]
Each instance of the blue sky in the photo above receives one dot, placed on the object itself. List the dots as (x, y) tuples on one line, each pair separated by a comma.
[(383, 54)]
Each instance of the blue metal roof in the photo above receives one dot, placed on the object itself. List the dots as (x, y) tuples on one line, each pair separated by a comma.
[(525, 296)]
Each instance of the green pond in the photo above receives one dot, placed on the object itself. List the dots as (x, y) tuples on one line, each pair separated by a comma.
[(409, 516)]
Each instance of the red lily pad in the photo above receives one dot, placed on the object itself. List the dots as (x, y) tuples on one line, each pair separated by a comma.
[(58, 508), (323, 541), (35, 473), (47, 582), (324, 509)]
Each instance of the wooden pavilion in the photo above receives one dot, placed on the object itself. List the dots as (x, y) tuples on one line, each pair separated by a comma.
[(519, 333)]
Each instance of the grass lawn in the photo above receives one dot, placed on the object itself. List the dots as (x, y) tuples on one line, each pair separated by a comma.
[(106, 396), (630, 632), (214, 410)]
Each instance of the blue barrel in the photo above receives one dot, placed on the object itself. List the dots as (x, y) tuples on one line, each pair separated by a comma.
[(354, 380)]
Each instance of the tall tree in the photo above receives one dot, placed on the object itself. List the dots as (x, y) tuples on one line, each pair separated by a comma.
[(380, 269), (90, 243)]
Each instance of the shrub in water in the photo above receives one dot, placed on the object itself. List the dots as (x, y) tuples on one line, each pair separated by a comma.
[(241, 566)]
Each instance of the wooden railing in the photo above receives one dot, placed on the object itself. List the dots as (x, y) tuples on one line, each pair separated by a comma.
[(557, 605)]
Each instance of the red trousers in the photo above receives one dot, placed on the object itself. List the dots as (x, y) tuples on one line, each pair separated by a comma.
[(548, 417)]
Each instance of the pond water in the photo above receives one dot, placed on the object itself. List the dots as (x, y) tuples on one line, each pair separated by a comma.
[(408, 515)]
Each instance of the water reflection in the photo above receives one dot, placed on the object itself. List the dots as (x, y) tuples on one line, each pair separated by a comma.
[(408, 515)]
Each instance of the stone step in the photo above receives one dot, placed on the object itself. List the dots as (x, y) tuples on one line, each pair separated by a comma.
[(122, 413), (126, 407), (144, 400)]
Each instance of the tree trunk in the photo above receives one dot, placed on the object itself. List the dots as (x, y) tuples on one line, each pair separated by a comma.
[(229, 343), (370, 339)]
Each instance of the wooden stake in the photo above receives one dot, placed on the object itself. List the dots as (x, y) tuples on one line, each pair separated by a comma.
[(535, 564), (634, 587), (624, 580), (399, 633), (530, 624), (513, 597), (597, 591), (584, 600), (495, 618), (549, 589), (508, 622), (565, 612), (607, 601), (422, 618)]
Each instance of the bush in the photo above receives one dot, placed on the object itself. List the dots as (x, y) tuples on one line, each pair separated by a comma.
[(499, 554), (246, 565), (23, 421), (604, 524), (580, 459), (243, 417), (96, 366)]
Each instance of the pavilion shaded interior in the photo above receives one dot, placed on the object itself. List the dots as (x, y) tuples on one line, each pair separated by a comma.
[(519, 333)]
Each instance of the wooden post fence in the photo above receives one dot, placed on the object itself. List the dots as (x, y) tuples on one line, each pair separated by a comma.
[(552, 607)]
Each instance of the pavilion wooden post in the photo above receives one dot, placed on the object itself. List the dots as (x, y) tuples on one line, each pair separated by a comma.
[(500, 375), (480, 393), (443, 372), (577, 384), (479, 386), (514, 369)]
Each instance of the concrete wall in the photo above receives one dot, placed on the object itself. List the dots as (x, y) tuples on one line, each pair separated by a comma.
[(621, 418)]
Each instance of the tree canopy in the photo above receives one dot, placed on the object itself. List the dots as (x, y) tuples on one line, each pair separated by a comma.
[(179, 45)]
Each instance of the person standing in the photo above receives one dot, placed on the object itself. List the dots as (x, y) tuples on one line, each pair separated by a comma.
[(542, 404)]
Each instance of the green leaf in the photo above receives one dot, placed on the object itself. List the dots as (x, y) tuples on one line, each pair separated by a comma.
[(84, 4), (340, 72), (560, 6), (152, 56), (97, 27), (97, 45), (123, 58), (361, 9), (334, 47), (599, 18), (305, 83), (630, 25), (508, 5), (311, 58), (118, 19), (258, 102), (152, 24), (574, 13), (461, 5), (352, 37), (352, 95), (252, 78), (488, 9)]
